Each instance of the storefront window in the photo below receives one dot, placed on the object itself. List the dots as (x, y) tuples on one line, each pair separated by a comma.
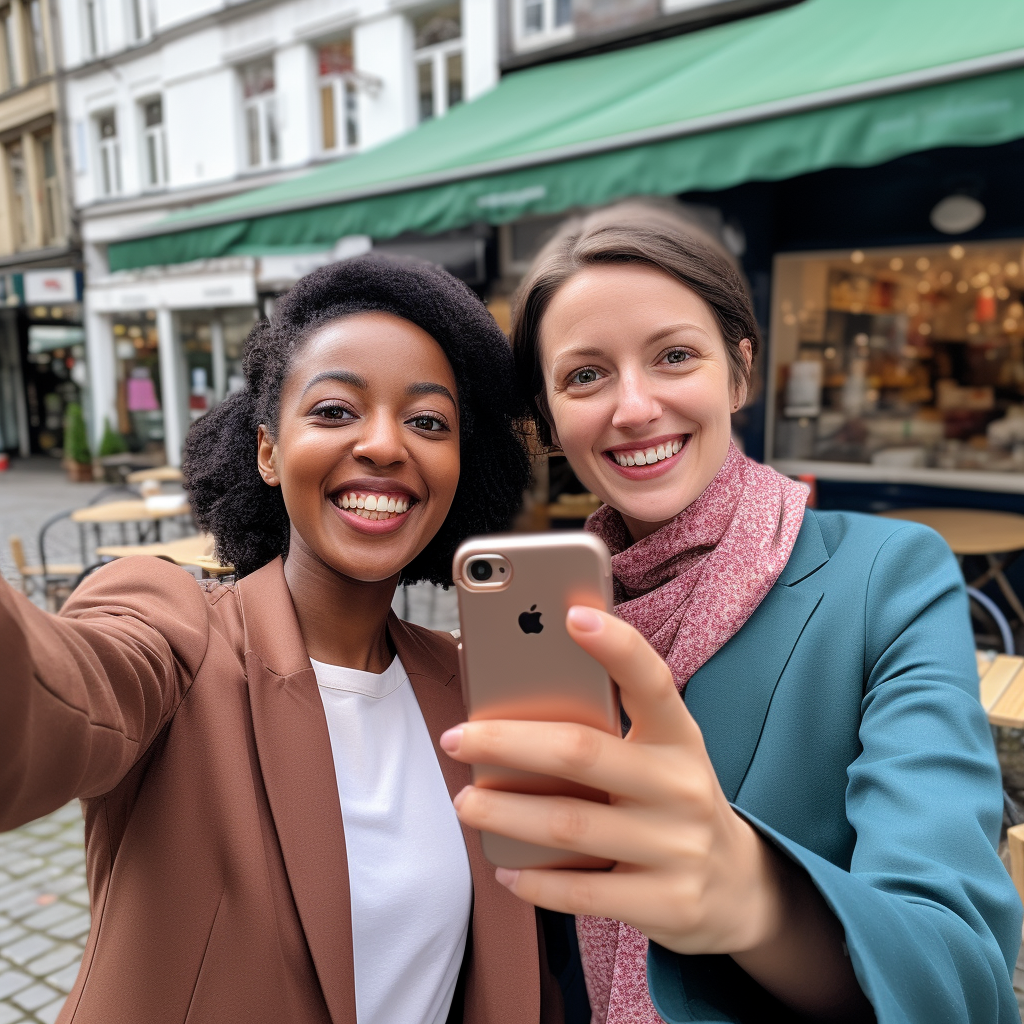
[(140, 416), (213, 344), (909, 358)]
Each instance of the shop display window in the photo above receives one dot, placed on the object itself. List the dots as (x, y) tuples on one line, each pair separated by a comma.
[(139, 412), (910, 359), (213, 344)]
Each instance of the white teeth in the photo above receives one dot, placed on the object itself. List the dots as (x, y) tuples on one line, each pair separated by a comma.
[(649, 456), (374, 506)]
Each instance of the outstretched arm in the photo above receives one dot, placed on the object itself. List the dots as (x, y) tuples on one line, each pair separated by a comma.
[(83, 694)]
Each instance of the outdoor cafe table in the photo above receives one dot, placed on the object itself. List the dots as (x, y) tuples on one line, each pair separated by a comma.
[(162, 474), (135, 511), (184, 551), (998, 537)]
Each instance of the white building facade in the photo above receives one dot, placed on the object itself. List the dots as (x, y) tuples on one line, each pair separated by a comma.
[(171, 103)]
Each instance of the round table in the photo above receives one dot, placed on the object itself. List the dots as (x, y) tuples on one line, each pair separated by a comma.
[(998, 537), (133, 511)]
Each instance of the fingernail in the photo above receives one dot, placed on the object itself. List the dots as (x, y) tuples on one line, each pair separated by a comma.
[(584, 618), (451, 740), (506, 876), (459, 797)]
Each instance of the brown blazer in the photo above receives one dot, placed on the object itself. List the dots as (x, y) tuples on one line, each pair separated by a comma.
[(190, 724)]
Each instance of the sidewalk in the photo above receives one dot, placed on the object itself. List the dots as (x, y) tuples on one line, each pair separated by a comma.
[(31, 491), (44, 915)]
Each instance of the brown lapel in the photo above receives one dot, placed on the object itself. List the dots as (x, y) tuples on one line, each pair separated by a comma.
[(294, 749), (503, 986)]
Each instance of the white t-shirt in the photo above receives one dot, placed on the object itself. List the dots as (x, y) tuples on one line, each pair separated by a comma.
[(408, 870)]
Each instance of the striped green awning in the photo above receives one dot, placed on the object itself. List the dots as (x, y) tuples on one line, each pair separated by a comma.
[(825, 83)]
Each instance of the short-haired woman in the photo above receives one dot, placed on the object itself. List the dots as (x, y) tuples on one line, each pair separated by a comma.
[(811, 831), (269, 833)]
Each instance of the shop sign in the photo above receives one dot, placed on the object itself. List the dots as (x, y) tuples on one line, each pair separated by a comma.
[(48, 286), (46, 337), (207, 291)]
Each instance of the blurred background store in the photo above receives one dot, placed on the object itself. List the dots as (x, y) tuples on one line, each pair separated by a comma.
[(863, 168)]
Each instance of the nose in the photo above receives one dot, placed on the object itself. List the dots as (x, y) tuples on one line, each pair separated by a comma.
[(380, 441), (636, 403)]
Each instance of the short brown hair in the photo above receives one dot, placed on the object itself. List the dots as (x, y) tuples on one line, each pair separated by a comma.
[(631, 232)]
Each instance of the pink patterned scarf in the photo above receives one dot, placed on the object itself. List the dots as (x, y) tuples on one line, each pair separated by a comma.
[(687, 588)]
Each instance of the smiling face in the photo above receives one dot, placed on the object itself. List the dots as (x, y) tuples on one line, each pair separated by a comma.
[(366, 451), (638, 387)]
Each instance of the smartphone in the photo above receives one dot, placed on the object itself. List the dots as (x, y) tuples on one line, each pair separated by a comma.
[(518, 660)]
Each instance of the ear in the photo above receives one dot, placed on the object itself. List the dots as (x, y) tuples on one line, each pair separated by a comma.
[(739, 396), (266, 457), (545, 411)]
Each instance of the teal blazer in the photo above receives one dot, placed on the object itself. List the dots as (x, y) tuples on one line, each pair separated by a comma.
[(843, 721)]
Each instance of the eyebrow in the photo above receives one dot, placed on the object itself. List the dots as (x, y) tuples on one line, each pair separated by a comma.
[(658, 335), (355, 381), (341, 376), (428, 388)]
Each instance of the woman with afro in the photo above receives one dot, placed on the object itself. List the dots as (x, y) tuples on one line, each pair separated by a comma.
[(269, 828)]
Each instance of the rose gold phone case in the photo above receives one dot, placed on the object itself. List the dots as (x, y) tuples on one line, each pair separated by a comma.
[(511, 671)]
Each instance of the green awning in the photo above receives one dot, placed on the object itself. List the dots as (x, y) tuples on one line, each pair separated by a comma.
[(824, 83)]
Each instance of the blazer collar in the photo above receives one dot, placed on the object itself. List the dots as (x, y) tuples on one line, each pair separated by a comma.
[(294, 751), (730, 694), (297, 764)]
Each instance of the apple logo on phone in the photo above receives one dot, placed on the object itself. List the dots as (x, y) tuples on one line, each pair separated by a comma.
[(529, 622)]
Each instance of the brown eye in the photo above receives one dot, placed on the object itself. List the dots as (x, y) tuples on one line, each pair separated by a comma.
[(676, 356), (429, 423)]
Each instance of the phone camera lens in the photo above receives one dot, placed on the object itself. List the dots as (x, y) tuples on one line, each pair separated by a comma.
[(480, 571)]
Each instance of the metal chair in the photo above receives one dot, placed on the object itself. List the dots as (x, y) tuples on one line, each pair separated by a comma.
[(995, 614), (54, 579)]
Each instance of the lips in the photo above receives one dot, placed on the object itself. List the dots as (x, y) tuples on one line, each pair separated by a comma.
[(374, 505), (647, 459), (650, 454)]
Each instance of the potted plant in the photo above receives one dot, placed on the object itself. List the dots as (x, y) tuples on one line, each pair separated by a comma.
[(77, 456)]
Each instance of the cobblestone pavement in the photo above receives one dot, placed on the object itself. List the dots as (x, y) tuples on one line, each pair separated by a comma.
[(31, 491), (44, 916)]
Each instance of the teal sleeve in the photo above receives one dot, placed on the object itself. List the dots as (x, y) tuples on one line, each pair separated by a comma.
[(932, 921)]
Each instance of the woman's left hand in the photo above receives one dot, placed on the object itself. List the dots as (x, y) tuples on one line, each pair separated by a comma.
[(690, 873)]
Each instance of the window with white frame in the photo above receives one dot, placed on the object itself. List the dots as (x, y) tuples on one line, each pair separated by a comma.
[(109, 155), (51, 210), (141, 18), (39, 62), (438, 57), (339, 111), (541, 22), (21, 199), (11, 77), (92, 27), (154, 143), (259, 114)]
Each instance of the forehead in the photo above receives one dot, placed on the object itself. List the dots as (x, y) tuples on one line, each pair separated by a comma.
[(624, 302), (386, 350)]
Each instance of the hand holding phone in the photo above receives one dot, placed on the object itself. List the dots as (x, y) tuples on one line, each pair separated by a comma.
[(519, 662)]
